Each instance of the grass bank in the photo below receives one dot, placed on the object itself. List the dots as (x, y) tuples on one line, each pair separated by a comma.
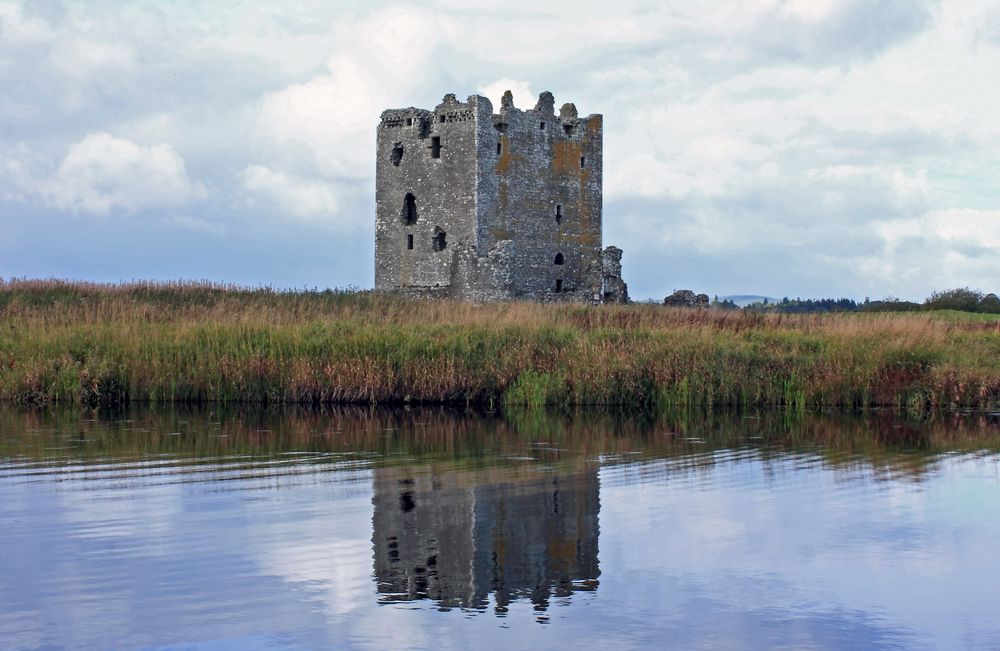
[(77, 343)]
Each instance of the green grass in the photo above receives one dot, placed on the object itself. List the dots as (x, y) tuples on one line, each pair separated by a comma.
[(91, 344), (972, 317)]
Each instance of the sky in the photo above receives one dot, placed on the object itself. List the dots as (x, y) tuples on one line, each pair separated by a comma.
[(805, 148)]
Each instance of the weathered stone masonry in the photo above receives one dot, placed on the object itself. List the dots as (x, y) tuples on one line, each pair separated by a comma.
[(480, 206)]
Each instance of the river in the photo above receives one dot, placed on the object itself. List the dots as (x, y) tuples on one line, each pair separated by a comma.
[(229, 529)]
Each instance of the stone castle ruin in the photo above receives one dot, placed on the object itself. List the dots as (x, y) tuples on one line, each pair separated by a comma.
[(482, 206)]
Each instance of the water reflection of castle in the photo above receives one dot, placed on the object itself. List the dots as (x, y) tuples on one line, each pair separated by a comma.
[(457, 537)]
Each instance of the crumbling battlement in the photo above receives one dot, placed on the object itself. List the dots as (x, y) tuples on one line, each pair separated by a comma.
[(478, 205)]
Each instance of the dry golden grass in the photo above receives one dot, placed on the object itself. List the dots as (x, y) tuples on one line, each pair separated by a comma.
[(86, 343)]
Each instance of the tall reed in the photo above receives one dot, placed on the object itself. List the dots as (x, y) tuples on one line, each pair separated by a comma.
[(83, 343)]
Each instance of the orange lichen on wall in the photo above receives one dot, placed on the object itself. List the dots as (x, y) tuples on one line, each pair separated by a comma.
[(503, 163), (566, 157)]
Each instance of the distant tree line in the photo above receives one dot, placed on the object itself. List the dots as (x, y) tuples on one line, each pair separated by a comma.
[(962, 299)]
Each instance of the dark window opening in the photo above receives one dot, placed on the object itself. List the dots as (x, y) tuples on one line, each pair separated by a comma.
[(541, 125), (397, 154), (436, 147), (409, 122), (558, 285), (568, 128), (410, 209), (559, 213), (583, 162), (406, 502), (425, 128), (499, 148), (500, 126), (440, 243), (441, 119), (608, 296), (559, 259), (409, 241)]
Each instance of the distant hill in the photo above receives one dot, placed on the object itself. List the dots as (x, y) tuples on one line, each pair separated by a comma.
[(742, 300)]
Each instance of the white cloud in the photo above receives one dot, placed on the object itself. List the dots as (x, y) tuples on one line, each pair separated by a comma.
[(187, 222), (299, 196), (83, 58), (18, 29), (955, 228), (953, 247), (524, 97), (100, 174), (783, 135), (810, 11), (379, 63), (329, 115)]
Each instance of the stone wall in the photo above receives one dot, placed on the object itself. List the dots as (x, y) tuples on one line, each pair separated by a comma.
[(432, 156), (548, 198), (503, 206), (614, 289)]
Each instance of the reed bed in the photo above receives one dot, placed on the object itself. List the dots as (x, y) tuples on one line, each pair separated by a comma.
[(81, 343)]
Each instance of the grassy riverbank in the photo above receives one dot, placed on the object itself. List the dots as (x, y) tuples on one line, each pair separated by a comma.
[(90, 344)]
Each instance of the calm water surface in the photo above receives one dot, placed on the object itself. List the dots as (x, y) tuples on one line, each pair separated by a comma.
[(437, 529)]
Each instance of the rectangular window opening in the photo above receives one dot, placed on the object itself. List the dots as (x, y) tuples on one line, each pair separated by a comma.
[(409, 241), (499, 148), (558, 285), (441, 119), (409, 122), (541, 126), (436, 147), (583, 162), (559, 214)]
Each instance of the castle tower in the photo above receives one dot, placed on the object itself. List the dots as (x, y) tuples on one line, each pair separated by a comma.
[(481, 206)]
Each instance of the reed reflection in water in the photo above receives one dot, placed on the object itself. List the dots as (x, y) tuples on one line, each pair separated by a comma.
[(421, 528)]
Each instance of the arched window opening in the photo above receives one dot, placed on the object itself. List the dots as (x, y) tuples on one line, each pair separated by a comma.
[(559, 259), (410, 209), (397, 153), (440, 241)]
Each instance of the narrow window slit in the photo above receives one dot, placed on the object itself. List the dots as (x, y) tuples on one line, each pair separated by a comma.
[(409, 241), (583, 162), (559, 214), (410, 209), (558, 285), (436, 147)]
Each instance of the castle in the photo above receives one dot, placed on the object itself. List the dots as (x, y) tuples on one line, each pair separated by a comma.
[(481, 206), (465, 540)]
